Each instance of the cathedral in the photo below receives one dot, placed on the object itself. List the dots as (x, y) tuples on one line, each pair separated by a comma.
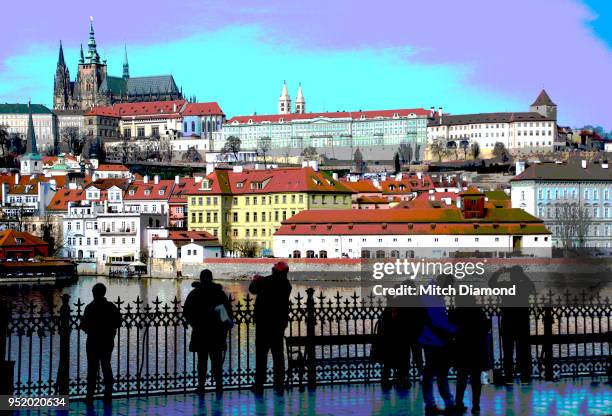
[(93, 87)]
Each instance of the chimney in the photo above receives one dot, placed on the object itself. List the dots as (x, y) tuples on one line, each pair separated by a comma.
[(440, 112), (419, 175), (146, 179), (304, 163), (398, 177), (156, 179), (520, 167), (17, 178), (177, 179), (174, 108), (583, 163), (313, 164), (335, 176), (604, 164), (237, 169), (432, 111), (210, 168)]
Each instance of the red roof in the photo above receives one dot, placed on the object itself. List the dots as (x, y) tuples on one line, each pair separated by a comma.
[(112, 168), (188, 236), (263, 181), (107, 183), (150, 108), (103, 111), (8, 238), (363, 186), (60, 200), (139, 190), (355, 115), (202, 109)]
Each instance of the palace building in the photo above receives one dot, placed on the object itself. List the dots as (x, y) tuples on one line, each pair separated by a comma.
[(94, 87)]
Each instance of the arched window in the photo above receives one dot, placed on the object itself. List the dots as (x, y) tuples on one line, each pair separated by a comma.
[(310, 254), (150, 222), (395, 254), (185, 127), (204, 127), (296, 254), (365, 254), (323, 254), (193, 126), (208, 126), (380, 254)]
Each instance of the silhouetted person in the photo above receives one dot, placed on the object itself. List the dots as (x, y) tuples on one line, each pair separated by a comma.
[(399, 327), (515, 327), (271, 319), (471, 352), (100, 322), (435, 338), (203, 311)]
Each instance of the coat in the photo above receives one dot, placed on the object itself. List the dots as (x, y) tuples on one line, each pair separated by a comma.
[(208, 332), (471, 345), (272, 302), (100, 322), (437, 330)]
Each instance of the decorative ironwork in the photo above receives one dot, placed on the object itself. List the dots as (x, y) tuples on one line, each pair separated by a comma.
[(152, 356)]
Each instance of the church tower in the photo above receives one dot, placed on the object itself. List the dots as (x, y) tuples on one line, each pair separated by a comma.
[(544, 105), (91, 73), (126, 66), (300, 101), (31, 161), (284, 101), (62, 89)]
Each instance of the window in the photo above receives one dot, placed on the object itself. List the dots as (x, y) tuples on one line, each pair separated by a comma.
[(141, 131), (154, 131)]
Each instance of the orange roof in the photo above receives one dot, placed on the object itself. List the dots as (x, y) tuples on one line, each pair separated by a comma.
[(60, 200), (112, 168), (8, 238), (355, 115), (263, 181), (103, 111), (150, 108), (106, 183), (363, 186), (189, 235), (139, 190), (202, 109)]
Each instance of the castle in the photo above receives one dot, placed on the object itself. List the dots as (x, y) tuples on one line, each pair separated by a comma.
[(94, 87)]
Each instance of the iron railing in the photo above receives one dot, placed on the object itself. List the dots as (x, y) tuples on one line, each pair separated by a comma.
[(151, 352)]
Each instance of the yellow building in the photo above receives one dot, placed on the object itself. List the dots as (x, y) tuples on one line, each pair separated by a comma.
[(245, 207)]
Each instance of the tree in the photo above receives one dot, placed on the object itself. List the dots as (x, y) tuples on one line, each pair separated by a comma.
[(232, 146), (501, 153), (437, 149), (396, 163), (464, 145), (263, 148), (192, 155), (71, 140), (405, 152), (358, 160), (4, 140), (310, 153), (246, 248), (475, 150), (573, 220), (165, 149)]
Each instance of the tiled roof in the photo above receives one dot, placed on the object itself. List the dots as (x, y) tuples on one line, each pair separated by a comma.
[(407, 185), (189, 235), (103, 111), (138, 190), (414, 220), (263, 181), (543, 99), (23, 109), (106, 183), (202, 109), (362, 186), (8, 238), (355, 115), (112, 168), (162, 84), (62, 197), (480, 118), (564, 172), (150, 108)]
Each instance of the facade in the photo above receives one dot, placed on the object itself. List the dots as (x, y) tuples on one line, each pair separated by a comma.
[(188, 246), (112, 171), (16, 245), (102, 124), (427, 227), (543, 189), (70, 119), (94, 87), (335, 135), (248, 205), (520, 132), (15, 119)]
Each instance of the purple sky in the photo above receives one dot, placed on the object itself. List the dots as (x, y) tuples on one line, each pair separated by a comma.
[(509, 49)]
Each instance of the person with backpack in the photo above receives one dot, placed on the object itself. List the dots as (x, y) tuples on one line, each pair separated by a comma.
[(100, 322), (271, 320), (208, 311)]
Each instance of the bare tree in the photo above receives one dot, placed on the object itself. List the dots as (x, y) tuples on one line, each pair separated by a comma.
[(192, 155), (232, 146), (358, 160), (475, 150), (71, 140), (246, 248), (464, 145), (263, 148), (4, 140), (438, 149), (501, 153), (573, 223), (405, 152), (165, 149), (310, 153)]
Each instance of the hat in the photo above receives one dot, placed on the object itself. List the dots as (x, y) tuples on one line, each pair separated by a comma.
[(281, 266)]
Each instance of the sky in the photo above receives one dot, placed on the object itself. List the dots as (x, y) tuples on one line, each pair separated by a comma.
[(465, 56)]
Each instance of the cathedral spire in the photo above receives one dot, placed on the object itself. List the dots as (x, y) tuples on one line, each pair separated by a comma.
[(126, 66), (31, 148), (92, 54), (60, 59), (284, 101), (82, 58), (300, 101)]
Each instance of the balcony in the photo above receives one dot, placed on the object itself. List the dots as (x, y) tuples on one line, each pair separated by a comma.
[(120, 231)]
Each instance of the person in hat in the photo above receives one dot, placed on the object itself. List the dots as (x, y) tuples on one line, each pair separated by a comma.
[(209, 328), (100, 322), (271, 319)]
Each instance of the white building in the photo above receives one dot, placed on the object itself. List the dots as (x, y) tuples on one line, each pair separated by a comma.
[(472, 224), (543, 188), (187, 246), (93, 232), (70, 119), (14, 118), (520, 132), (104, 171)]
